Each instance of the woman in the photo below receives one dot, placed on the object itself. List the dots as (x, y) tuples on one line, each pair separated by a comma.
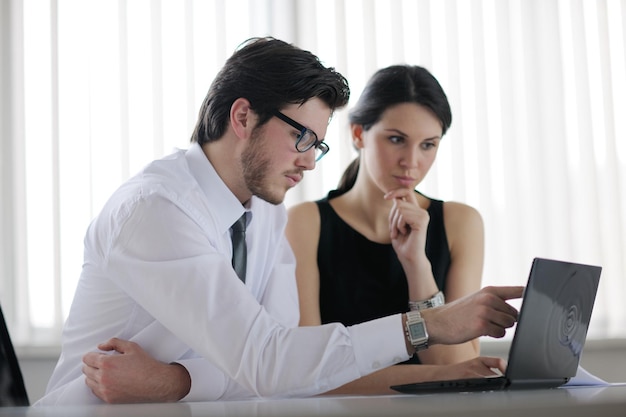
[(375, 244)]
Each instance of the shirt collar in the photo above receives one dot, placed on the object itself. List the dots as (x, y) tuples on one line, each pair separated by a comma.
[(229, 208)]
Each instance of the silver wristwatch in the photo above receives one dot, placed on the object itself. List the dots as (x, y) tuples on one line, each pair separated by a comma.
[(434, 301), (415, 329)]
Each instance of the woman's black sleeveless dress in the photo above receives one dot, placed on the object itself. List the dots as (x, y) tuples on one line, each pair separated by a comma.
[(361, 280)]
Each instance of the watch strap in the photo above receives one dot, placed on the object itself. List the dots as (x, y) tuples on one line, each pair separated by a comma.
[(434, 301)]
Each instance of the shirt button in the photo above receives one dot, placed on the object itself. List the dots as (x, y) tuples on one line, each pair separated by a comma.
[(376, 365)]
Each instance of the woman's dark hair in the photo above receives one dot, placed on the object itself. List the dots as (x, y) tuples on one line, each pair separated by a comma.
[(270, 74), (390, 86)]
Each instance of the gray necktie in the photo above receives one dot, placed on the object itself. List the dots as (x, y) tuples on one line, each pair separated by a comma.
[(238, 237)]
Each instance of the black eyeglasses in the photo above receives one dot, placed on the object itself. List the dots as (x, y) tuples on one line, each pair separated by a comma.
[(307, 138)]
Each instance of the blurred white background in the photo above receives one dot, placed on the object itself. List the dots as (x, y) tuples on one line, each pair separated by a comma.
[(90, 91)]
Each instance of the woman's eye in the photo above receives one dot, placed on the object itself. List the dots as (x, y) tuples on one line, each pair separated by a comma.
[(396, 139)]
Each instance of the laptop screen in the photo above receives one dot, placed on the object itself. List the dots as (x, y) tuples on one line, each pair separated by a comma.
[(554, 319)]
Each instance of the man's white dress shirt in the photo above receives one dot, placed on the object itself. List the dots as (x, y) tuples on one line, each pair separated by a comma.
[(157, 271)]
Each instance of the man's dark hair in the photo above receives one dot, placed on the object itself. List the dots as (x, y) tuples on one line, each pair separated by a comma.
[(270, 74)]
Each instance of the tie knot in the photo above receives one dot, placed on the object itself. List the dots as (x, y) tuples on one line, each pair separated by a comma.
[(240, 224)]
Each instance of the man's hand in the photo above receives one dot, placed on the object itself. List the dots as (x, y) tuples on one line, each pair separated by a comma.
[(133, 376), (483, 313)]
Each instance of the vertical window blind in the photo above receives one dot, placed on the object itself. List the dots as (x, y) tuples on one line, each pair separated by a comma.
[(93, 90)]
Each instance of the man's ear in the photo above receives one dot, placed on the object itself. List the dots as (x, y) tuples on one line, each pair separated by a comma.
[(242, 117), (357, 135)]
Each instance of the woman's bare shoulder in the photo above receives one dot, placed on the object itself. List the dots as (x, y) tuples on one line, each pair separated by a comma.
[(303, 217), (461, 216), (308, 208)]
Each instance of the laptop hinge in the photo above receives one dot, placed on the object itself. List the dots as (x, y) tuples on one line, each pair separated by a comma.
[(537, 383)]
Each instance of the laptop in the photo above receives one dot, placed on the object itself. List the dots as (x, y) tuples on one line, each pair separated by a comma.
[(550, 334), (12, 389)]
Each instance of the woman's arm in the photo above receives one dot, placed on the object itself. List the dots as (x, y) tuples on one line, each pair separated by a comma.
[(379, 382), (303, 233), (408, 227), (465, 233)]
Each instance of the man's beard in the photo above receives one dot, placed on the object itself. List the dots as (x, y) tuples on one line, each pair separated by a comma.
[(256, 166)]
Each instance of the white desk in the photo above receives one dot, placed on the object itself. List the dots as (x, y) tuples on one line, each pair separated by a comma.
[(571, 402)]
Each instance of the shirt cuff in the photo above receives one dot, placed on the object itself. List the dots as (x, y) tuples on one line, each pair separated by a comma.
[(379, 343), (207, 382)]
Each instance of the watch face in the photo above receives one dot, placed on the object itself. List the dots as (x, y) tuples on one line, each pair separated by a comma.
[(417, 330)]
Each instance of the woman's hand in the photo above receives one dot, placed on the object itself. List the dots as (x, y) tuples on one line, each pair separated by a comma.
[(474, 368), (408, 224)]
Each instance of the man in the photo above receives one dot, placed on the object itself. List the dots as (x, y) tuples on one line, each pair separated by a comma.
[(158, 270)]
